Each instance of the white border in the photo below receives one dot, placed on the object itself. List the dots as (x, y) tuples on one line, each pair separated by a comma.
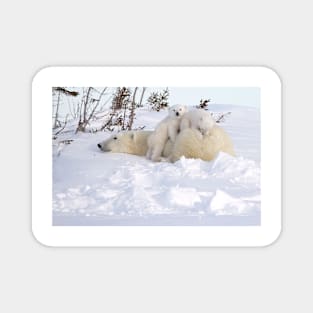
[(264, 78)]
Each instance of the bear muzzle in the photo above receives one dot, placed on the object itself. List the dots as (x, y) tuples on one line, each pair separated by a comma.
[(104, 147)]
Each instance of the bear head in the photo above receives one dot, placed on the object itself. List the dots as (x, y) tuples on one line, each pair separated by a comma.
[(205, 123), (120, 142), (132, 142), (177, 111)]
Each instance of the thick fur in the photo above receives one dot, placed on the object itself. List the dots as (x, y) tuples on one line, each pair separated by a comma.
[(189, 143), (132, 142), (192, 144), (166, 130), (198, 119)]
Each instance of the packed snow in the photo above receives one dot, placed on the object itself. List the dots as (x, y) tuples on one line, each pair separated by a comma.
[(91, 187)]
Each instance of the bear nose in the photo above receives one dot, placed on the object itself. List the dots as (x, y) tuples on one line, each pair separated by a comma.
[(177, 114), (99, 146)]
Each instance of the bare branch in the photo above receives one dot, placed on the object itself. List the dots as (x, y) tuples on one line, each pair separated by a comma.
[(95, 107), (66, 91), (59, 131)]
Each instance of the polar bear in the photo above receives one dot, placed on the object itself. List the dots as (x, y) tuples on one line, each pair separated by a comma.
[(132, 142), (190, 143), (166, 130), (198, 119)]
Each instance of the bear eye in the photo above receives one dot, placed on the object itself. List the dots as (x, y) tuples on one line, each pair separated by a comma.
[(179, 109), (115, 138)]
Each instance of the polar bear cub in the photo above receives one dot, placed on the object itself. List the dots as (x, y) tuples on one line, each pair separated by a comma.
[(198, 119), (166, 130)]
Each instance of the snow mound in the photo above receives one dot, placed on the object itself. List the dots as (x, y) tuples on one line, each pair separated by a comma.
[(189, 187)]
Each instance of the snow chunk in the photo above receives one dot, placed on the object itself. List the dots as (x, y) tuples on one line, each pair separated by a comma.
[(185, 197), (224, 204)]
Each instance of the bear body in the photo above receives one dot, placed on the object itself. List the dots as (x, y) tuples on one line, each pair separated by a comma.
[(166, 130), (132, 142), (190, 143), (198, 119)]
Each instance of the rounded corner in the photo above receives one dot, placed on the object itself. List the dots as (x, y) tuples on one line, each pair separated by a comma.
[(272, 73), (42, 72), (39, 240), (273, 239)]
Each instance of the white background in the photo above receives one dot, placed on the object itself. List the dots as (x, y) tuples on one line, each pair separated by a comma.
[(35, 34), (42, 177)]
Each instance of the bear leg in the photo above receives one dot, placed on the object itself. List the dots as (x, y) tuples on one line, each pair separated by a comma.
[(156, 153)]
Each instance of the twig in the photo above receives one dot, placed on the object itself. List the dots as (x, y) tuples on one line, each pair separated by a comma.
[(222, 116), (62, 127)]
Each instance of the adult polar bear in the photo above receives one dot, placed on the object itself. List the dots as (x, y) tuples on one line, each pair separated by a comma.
[(189, 143), (131, 142)]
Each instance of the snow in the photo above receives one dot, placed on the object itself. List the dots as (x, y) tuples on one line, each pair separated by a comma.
[(91, 187)]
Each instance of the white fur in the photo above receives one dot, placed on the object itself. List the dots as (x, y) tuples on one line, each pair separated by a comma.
[(198, 119), (132, 142), (166, 129), (191, 144)]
